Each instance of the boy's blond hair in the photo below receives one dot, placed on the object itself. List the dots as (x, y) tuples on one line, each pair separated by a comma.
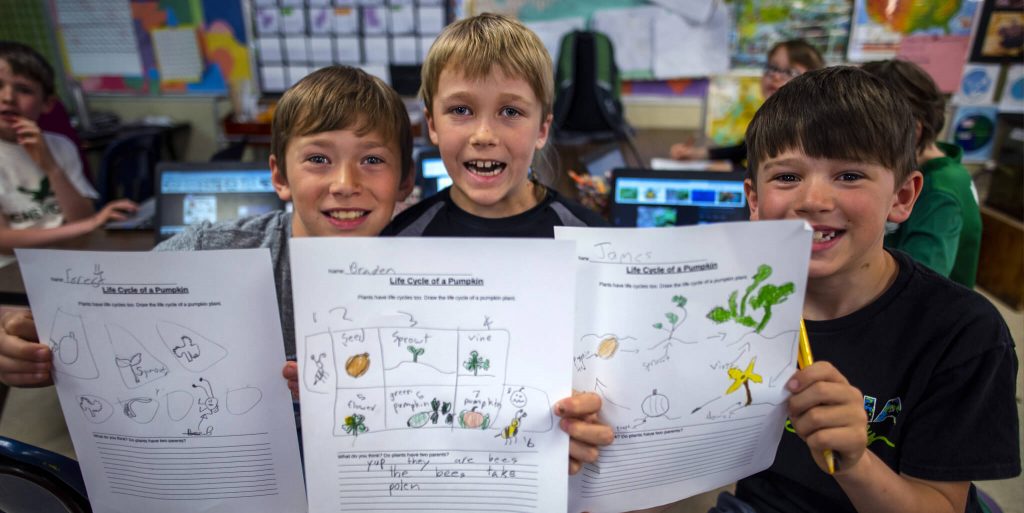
[(474, 45), (338, 98)]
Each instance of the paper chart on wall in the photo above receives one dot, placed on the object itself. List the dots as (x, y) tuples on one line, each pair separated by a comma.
[(688, 335), (428, 369), (168, 369)]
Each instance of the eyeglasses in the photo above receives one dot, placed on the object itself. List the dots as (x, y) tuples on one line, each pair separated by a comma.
[(771, 69)]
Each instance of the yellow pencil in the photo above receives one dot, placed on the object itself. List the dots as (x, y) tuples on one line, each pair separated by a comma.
[(803, 359)]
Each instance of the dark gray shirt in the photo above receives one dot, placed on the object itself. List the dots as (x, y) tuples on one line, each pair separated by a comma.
[(271, 230)]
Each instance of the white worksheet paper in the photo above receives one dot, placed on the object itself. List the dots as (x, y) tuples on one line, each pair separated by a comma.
[(688, 335), (428, 370), (168, 368)]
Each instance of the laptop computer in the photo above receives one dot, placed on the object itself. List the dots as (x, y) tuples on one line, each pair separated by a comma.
[(601, 162), (431, 175), (188, 193), (646, 198)]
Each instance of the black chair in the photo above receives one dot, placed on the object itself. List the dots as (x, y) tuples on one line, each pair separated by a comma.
[(34, 480), (232, 152), (128, 167)]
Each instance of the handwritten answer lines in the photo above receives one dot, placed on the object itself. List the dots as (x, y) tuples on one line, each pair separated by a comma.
[(431, 480), (186, 468), (634, 463)]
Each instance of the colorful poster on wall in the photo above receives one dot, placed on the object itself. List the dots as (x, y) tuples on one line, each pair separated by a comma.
[(977, 85), (183, 46), (762, 23), (1000, 35), (732, 101), (973, 129), (1013, 90), (880, 26)]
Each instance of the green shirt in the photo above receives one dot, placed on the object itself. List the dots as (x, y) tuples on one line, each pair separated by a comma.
[(944, 229)]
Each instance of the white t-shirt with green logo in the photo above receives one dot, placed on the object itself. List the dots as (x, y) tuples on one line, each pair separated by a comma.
[(26, 197)]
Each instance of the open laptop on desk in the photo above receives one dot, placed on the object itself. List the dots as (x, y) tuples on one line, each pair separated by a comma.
[(431, 175), (188, 193), (646, 198)]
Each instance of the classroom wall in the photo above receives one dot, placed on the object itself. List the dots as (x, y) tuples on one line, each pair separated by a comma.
[(202, 112)]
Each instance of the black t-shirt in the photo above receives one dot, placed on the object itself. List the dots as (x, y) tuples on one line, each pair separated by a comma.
[(439, 216), (937, 368)]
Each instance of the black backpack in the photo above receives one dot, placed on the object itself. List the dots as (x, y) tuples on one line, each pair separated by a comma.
[(587, 89)]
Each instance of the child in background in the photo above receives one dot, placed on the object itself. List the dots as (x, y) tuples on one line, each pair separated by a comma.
[(913, 387), (944, 231), (786, 60), (341, 152), (44, 195), (488, 92)]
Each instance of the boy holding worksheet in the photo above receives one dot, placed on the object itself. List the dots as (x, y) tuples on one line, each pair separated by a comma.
[(342, 154), (913, 388)]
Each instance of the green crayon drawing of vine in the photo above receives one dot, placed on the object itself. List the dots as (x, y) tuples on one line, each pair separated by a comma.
[(766, 297), (476, 363)]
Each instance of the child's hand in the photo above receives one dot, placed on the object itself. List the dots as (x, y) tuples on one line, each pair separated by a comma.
[(688, 151), (117, 210), (30, 137), (586, 433), (828, 413), (24, 362), (291, 374)]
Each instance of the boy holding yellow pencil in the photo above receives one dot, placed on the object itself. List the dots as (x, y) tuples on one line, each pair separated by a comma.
[(913, 387)]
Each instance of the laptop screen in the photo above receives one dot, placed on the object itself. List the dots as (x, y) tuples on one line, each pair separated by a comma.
[(645, 198), (431, 174), (214, 192)]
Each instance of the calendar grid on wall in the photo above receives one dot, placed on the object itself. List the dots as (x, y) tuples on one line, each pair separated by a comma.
[(387, 38)]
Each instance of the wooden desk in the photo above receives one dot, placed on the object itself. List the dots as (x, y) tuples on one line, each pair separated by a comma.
[(12, 289)]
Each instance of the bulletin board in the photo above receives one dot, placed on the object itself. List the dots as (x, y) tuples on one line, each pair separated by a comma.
[(153, 46), (387, 38)]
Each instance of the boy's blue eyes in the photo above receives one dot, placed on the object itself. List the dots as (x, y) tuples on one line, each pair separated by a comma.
[(845, 177), (321, 159), (505, 111)]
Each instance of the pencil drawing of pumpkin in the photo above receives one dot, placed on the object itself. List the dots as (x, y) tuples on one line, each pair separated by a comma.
[(356, 365), (606, 349), (655, 405), (473, 419)]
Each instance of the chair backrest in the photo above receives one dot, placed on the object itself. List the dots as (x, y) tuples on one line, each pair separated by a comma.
[(128, 167), (587, 89), (36, 480), (232, 152)]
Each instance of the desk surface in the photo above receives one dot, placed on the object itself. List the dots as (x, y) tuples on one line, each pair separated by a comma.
[(12, 289)]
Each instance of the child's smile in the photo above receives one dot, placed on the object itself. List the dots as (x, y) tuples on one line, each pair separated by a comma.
[(340, 183), (487, 130), (485, 168), (846, 203)]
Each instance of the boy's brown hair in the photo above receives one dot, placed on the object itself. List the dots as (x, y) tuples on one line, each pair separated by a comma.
[(800, 52), (27, 62), (841, 113), (337, 98), (474, 45), (920, 91)]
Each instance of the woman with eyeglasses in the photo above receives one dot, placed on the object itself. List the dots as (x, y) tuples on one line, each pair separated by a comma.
[(786, 61)]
